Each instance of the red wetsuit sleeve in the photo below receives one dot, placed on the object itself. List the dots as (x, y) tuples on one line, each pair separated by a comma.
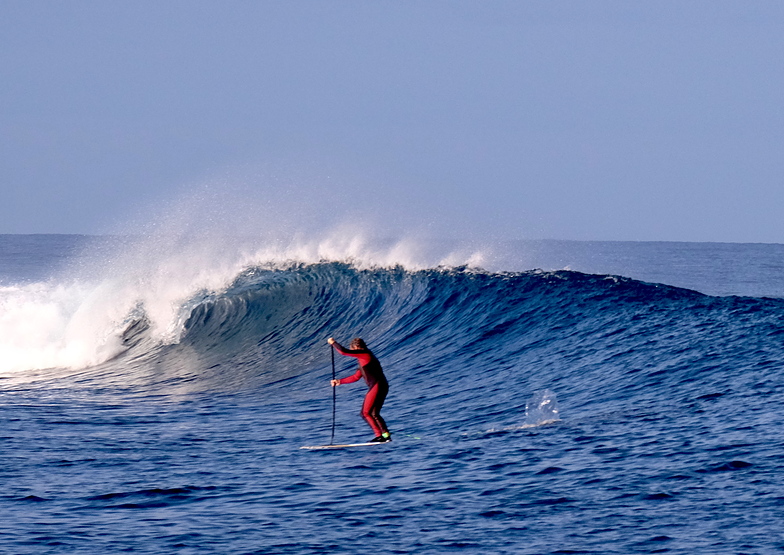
[(362, 356), (351, 379)]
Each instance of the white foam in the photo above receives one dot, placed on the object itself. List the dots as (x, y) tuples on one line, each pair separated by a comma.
[(51, 325)]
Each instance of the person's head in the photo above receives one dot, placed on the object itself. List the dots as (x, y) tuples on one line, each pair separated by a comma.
[(358, 343)]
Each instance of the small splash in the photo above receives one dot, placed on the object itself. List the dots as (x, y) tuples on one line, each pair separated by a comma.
[(541, 409)]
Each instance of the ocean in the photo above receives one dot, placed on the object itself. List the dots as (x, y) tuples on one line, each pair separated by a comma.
[(545, 396)]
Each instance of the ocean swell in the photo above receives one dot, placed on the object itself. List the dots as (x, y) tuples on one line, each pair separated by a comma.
[(439, 324), (546, 330)]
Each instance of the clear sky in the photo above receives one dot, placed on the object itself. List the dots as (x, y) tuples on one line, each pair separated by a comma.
[(608, 120)]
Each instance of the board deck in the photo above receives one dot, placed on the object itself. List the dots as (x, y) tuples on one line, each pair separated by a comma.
[(318, 447)]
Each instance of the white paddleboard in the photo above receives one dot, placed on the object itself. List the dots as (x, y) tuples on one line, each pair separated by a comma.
[(316, 447)]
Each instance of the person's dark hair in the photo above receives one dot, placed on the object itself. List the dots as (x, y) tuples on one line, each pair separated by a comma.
[(358, 343)]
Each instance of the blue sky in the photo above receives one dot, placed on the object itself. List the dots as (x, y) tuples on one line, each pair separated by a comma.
[(539, 119)]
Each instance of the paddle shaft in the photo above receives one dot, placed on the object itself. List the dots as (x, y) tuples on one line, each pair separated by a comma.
[(334, 395)]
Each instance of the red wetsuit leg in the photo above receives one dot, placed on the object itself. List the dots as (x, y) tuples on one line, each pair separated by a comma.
[(383, 389), (371, 408)]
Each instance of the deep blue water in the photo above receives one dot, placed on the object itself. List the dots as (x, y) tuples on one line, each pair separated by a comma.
[(185, 439)]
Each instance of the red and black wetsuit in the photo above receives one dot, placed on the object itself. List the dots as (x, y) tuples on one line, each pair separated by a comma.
[(370, 369)]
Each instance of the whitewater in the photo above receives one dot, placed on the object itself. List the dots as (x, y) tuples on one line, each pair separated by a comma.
[(545, 396)]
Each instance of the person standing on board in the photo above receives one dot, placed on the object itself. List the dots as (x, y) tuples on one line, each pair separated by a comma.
[(378, 387)]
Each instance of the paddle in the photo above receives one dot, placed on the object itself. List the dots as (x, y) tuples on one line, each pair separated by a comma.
[(334, 394)]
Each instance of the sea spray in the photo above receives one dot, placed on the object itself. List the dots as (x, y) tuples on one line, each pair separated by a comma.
[(541, 408)]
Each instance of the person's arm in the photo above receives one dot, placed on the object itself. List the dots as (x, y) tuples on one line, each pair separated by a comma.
[(339, 348), (350, 379), (361, 355)]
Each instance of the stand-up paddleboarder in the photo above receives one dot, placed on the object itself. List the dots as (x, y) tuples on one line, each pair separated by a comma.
[(378, 387)]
